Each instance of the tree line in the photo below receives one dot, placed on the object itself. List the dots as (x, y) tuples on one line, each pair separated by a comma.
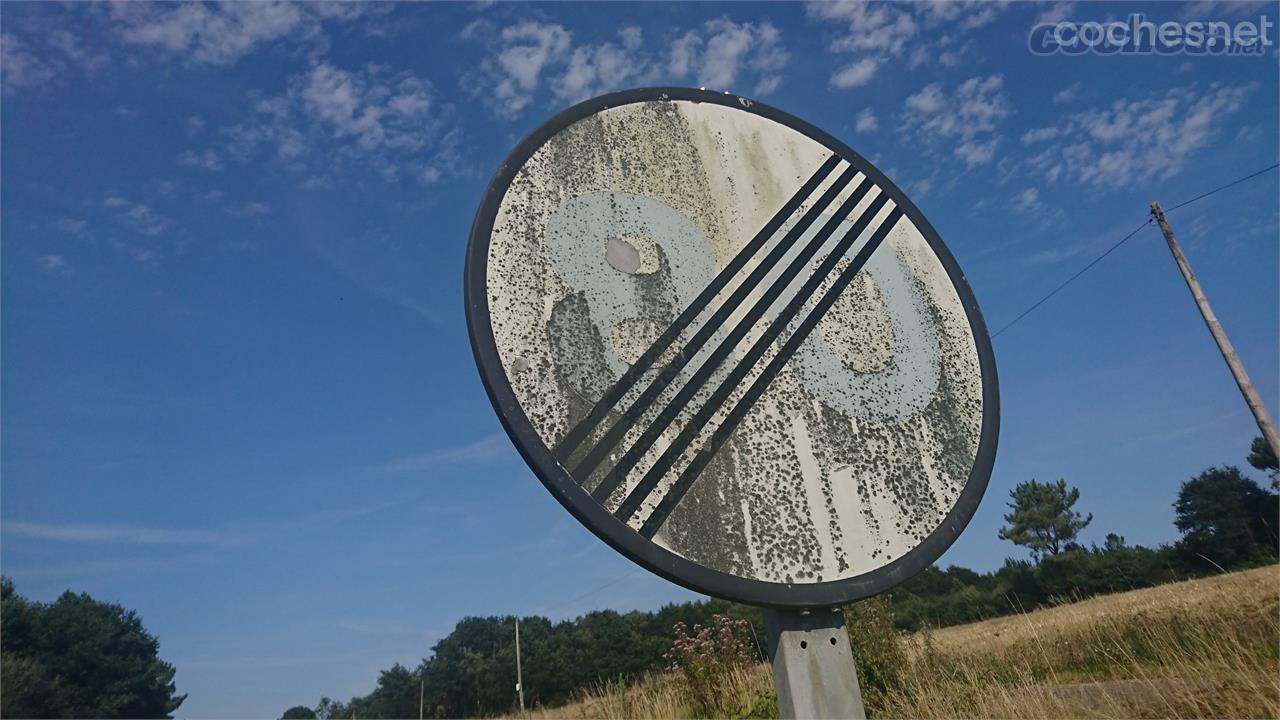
[(77, 657), (1226, 520), (80, 657)]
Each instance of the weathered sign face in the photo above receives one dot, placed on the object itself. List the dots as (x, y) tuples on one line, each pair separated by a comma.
[(731, 347)]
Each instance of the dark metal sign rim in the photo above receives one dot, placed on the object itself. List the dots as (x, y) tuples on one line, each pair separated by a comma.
[(617, 534)]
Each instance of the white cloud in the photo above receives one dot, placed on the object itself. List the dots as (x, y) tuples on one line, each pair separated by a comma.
[(252, 209), (530, 57), (71, 226), (966, 14), (19, 67), (967, 117), (194, 124), (74, 49), (130, 534), (872, 27), (42, 58), (208, 159), (330, 117), (221, 34), (115, 201), (528, 47), (1027, 200), (976, 153), (1136, 139), (1216, 9), (1056, 13), (145, 220), (1036, 135), (727, 48), (767, 85), (361, 107), (855, 74), (482, 451), (875, 33), (52, 263), (594, 69), (139, 254), (866, 121), (1067, 94)]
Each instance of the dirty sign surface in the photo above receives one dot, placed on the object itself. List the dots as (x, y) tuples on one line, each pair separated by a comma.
[(731, 347)]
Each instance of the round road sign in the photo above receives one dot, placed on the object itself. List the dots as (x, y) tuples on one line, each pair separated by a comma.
[(731, 347)]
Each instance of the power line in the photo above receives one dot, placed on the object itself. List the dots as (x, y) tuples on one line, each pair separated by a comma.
[(1220, 189), (1122, 241), (1069, 280), (589, 593)]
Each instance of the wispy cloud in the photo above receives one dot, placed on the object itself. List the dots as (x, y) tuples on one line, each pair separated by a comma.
[(225, 538), (1067, 95), (207, 159), (1132, 140), (330, 118), (55, 264), (43, 56), (485, 450), (222, 33), (19, 66), (866, 121), (855, 74), (125, 534), (966, 118), (530, 57), (251, 209), (145, 220), (71, 226), (873, 34)]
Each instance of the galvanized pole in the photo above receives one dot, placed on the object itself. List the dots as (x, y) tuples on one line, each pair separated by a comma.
[(1219, 335), (422, 694), (519, 675), (813, 668)]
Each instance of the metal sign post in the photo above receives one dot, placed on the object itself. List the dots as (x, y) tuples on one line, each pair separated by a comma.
[(739, 354)]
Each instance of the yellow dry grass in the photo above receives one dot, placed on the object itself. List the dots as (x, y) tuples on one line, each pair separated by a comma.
[(1200, 648), (1249, 590)]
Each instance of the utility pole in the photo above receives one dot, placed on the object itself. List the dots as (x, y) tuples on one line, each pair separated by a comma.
[(1219, 335), (519, 677), (422, 693)]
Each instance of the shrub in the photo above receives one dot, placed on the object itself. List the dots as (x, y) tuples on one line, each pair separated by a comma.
[(713, 660), (877, 650)]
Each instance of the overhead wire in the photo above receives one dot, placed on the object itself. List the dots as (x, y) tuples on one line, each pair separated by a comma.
[(1122, 241)]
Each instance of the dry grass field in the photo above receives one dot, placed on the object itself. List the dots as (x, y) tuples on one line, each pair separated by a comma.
[(1200, 648)]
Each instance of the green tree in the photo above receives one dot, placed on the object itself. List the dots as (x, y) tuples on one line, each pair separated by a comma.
[(1042, 518), (1264, 458), (79, 657), (299, 712), (327, 708), (1226, 520)]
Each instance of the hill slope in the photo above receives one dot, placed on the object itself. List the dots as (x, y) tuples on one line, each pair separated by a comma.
[(1199, 648)]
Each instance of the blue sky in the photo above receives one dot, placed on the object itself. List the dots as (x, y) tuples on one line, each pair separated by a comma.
[(237, 391)]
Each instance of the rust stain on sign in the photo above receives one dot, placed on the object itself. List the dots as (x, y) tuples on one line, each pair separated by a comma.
[(840, 459)]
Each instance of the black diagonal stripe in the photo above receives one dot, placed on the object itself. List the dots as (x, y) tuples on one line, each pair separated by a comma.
[(744, 405), (611, 398), (731, 383), (678, 404), (614, 434)]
